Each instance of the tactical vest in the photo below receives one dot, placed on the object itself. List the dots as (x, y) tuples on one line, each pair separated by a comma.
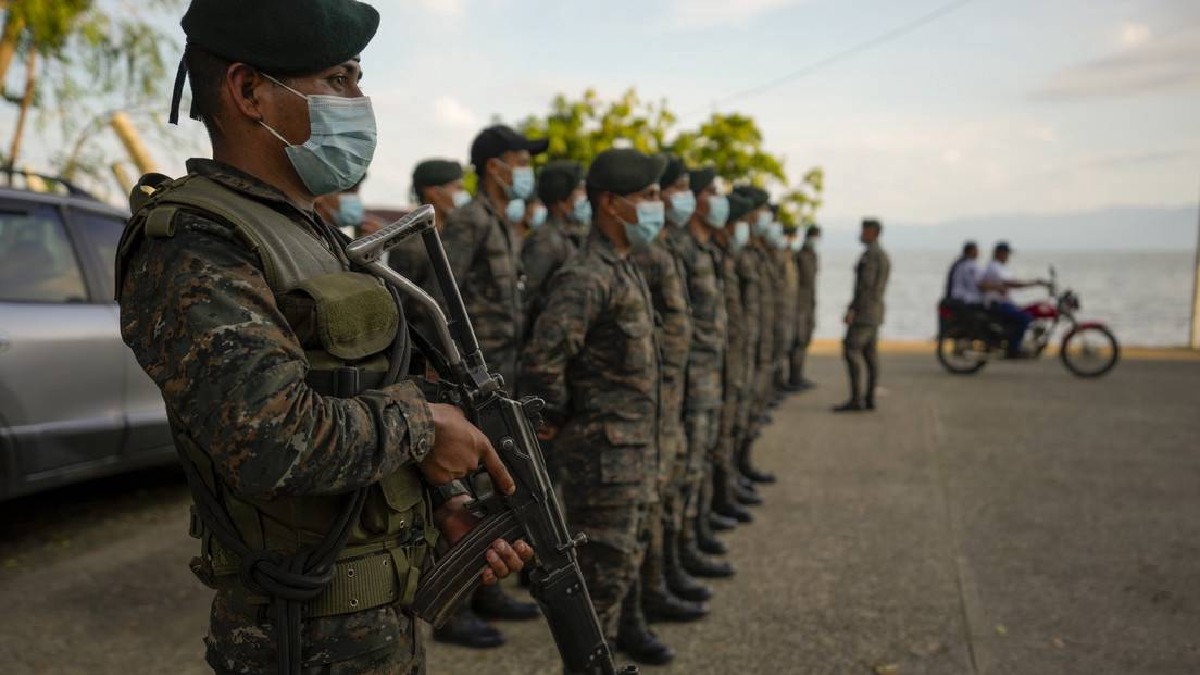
[(357, 320)]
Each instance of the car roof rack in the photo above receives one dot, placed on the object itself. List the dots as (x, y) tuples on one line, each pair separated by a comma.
[(42, 183)]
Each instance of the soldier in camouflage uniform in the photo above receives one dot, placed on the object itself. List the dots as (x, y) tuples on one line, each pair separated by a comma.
[(738, 357), (548, 248), (807, 266), (593, 357), (483, 249), (785, 316), (757, 265), (282, 369), (438, 182), (863, 318), (692, 246)]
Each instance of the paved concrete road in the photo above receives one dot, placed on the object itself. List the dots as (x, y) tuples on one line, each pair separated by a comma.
[(1018, 522)]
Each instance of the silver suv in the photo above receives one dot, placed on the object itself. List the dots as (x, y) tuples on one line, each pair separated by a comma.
[(74, 404)]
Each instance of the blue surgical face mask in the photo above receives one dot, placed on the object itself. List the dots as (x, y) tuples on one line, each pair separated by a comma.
[(340, 145), (762, 224), (350, 210), (650, 218), (523, 183), (460, 198), (813, 242), (741, 235), (796, 243), (538, 217), (582, 211), (718, 211), (515, 210), (683, 205)]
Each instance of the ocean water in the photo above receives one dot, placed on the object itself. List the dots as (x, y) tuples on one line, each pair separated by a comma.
[(1145, 297)]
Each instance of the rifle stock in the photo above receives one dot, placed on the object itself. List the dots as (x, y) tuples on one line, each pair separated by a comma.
[(532, 513)]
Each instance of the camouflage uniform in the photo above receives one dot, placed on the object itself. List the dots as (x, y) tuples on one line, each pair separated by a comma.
[(483, 254), (769, 292), (703, 393), (592, 357), (674, 331), (749, 274), (736, 361), (785, 315), (806, 309), (231, 356), (862, 335), (545, 250)]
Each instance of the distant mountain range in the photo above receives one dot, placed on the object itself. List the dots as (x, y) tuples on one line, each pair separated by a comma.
[(1116, 228)]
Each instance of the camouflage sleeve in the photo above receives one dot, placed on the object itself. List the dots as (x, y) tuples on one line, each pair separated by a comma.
[(541, 256), (462, 238), (676, 324), (865, 282), (202, 322), (558, 336)]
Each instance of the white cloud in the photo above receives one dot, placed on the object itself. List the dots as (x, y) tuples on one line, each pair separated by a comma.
[(695, 13), (449, 112), (1146, 64), (444, 7), (1134, 34)]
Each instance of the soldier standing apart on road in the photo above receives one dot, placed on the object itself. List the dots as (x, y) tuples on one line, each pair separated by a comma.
[(863, 318), (807, 266), (692, 246), (549, 247), (306, 446), (593, 357), (483, 243)]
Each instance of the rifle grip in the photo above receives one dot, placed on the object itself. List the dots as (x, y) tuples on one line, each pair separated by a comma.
[(456, 575)]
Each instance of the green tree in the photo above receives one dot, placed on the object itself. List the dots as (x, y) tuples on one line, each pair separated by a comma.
[(799, 204), (83, 59), (581, 129), (733, 144)]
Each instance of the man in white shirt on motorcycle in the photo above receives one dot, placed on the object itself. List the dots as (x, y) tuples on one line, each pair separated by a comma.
[(996, 283)]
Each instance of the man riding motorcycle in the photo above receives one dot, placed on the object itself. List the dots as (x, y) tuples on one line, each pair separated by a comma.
[(996, 282)]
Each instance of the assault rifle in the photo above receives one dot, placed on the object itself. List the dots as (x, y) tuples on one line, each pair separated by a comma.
[(532, 513)]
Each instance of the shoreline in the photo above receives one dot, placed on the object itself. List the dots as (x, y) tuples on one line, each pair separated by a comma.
[(828, 346)]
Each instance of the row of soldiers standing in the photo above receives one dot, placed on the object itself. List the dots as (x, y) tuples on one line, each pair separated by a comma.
[(658, 349)]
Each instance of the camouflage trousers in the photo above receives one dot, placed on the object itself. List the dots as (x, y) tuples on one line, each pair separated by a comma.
[(381, 641), (806, 323), (668, 507), (612, 556), (701, 429), (728, 431)]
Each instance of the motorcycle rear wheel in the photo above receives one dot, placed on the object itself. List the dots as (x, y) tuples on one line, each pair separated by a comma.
[(1091, 351), (955, 359)]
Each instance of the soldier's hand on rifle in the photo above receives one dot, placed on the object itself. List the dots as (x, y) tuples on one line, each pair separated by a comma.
[(454, 521), (459, 447)]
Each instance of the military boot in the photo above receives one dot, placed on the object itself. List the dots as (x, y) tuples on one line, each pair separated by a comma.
[(679, 582), (725, 503), (720, 523), (634, 637), (697, 563), (747, 495), (466, 629), (705, 539), (747, 468), (491, 602)]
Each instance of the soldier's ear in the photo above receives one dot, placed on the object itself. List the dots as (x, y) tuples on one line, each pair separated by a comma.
[(241, 86)]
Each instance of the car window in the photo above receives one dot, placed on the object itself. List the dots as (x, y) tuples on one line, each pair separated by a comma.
[(37, 262), (101, 234)]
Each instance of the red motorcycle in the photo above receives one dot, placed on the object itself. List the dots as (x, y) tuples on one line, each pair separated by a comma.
[(969, 335)]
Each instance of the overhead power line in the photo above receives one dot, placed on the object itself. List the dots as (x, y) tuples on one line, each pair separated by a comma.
[(866, 45)]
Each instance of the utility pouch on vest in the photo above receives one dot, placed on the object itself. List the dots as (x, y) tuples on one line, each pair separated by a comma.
[(354, 314)]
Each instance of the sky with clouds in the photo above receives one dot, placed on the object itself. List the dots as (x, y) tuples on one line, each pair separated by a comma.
[(999, 106)]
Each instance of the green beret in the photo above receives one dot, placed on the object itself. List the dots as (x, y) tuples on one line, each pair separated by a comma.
[(699, 179), (813, 230), (435, 172), (558, 179), (281, 37), (739, 206), (624, 171), (791, 229), (672, 171), (758, 197), (293, 37)]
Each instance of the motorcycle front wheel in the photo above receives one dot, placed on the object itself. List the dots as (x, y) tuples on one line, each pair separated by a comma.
[(1090, 351), (959, 355)]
